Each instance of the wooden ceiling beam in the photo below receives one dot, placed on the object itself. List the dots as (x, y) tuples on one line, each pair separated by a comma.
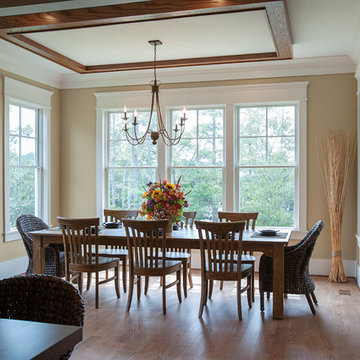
[(122, 13)]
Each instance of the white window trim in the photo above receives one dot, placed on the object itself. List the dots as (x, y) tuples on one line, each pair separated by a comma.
[(230, 96), (33, 96)]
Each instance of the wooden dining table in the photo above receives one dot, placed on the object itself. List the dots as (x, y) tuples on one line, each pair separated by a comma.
[(272, 246)]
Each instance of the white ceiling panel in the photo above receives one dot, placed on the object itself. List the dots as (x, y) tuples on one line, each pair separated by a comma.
[(215, 35)]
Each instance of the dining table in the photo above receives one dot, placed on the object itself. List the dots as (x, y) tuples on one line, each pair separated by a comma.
[(23, 339), (186, 237)]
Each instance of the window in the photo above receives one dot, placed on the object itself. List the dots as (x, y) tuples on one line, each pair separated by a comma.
[(243, 149), (267, 163), (129, 168), (27, 165), (199, 160)]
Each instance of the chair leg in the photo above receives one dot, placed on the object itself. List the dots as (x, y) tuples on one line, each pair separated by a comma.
[(268, 295), (138, 283), (249, 291), (106, 274), (131, 289), (164, 294), (146, 287), (310, 304), (221, 285), (97, 290), (206, 290), (203, 295), (314, 298), (253, 283), (190, 275), (124, 273), (239, 299), (261, 296), (89, 276), (178, 285), (116, 280), (80, 282), (184, 267), (211, 286)]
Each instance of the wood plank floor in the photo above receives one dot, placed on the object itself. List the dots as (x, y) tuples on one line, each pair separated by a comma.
[(145, 333)]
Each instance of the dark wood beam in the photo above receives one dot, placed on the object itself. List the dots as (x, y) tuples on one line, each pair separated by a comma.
[(13, 3), (212, 60), (45, 52), (128, 12)]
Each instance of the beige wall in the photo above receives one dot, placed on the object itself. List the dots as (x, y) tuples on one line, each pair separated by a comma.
[(14, 249), (331, 105)]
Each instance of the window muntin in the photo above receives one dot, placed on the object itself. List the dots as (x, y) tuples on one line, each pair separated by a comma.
[(24, 163), (267, 166), (199, 159), (129, 167)]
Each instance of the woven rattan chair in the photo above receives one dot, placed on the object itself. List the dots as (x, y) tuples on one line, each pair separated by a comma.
[(296, 269), (42, 298), (54, 255), (220, 253), (118, 251), (147, 243), (246, 257)]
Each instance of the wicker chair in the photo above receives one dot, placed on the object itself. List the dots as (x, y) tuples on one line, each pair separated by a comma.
[(54, 255), (42, 298), (296, 269)]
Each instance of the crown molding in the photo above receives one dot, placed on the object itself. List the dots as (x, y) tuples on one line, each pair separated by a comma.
[(270, 69)]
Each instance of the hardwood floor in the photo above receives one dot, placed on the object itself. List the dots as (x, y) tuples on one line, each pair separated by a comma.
[(145, 333)]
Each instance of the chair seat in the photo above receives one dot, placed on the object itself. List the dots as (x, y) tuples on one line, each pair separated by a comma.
[(246, 259), (113, 252), (245, 268), (104, 263), (159, 270)]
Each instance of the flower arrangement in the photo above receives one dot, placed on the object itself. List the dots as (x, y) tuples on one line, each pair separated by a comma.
[(163, 200)]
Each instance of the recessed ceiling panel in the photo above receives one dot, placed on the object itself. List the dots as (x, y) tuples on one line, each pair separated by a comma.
[(200, 36)]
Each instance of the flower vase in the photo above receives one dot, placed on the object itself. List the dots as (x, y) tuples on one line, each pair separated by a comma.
[(169, 227)]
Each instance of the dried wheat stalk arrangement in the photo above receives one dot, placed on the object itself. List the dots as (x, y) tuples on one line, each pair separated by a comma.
[(337, 151)]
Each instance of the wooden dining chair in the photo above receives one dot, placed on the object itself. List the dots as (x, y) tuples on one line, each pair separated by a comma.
[(147, 247), (247, 257), (220, 254), (183, 254), (80, 238), (118, 251)]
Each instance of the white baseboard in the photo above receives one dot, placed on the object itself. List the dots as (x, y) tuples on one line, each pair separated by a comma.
[(13, 267), (358, 275), (317, 266)]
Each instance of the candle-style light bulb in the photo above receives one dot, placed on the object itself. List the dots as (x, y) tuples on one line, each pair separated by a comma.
[(135, 114), (125, 109), (184, 112)]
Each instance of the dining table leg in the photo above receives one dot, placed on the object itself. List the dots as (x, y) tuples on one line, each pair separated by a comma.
[(278, 281), (38, 256)]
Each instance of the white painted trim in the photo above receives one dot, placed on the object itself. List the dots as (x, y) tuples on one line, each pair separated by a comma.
[(13, 267), (254, 70), (358, 275)]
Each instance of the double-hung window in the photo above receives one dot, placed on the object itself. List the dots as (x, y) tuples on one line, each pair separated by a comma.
[(267, 163), (128, 168), (27, 166), (199, 159)]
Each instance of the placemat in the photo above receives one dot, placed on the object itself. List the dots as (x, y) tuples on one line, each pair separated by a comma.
[(278, 235)]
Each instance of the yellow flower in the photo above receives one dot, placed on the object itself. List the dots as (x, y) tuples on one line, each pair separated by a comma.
[(156, 193), (170, 186)]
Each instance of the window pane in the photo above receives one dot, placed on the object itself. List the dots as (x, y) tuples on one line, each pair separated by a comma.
[(271, 192), (252, 151), (282, 151), (190, 122), (22, 193), (211, 123), (126, 187), (184, 153), (13, 150), (122, 153), (28, 122), (252, 121), (28, 151), (206, 188), (14, 119), (116, 127), (281, 120), (210, 152)]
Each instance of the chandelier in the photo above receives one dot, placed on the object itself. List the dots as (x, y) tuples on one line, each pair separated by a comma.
[(171, 138)]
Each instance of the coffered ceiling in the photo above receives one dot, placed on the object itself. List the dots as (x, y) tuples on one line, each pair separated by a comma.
[(87, 38)]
